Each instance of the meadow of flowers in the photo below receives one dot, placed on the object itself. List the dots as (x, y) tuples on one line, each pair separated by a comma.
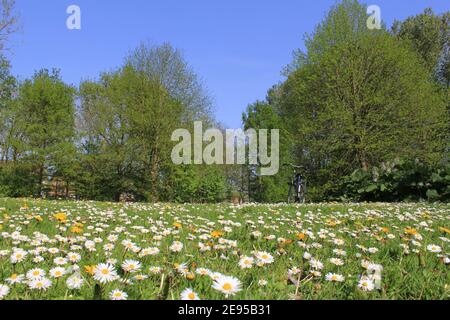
[(88, 250)]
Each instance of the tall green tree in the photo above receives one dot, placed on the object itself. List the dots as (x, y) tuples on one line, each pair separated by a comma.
[(266, 115), (358, 97), (127, 120), (45, 120), (8, 86), (429, 35)]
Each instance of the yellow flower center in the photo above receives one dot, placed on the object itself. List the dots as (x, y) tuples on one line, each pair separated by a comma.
[(227, 287), (191, 296)]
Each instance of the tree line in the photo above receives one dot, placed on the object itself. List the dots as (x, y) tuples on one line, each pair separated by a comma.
[(356, 102), (359, 100)]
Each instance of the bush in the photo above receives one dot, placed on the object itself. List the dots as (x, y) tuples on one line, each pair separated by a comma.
[(398, 180)]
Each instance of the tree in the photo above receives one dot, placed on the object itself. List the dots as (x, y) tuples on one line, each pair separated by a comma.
[(8, 86), (45, 120), (167, 66), (359, 97), (265, 115), (128, 118), (429, 35), (8, 21)]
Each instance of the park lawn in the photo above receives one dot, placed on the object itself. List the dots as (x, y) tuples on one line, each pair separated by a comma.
[(157, 251)]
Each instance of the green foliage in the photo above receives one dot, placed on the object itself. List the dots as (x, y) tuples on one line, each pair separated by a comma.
[(357, 98), (38, 138), (396, 181), (18, 180), (265, 115), (189, 183), (429, 35), (128, 118)]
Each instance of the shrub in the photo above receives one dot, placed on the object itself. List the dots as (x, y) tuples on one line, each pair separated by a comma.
[(399, 180)]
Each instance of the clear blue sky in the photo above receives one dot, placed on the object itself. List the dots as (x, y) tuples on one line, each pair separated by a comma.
[(238, 47)]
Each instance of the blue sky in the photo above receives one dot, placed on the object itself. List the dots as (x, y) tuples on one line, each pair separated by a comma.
[(238, 47)]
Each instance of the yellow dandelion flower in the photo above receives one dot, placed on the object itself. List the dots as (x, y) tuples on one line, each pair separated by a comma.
[(411, 231), (61, 217), (301, 236), (177, 225), (217, 234), (90, 269)]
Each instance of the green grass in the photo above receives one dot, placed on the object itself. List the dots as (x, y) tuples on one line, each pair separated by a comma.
[(417, 274)]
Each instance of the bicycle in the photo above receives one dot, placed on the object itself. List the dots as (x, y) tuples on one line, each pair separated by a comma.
[(297, 185)]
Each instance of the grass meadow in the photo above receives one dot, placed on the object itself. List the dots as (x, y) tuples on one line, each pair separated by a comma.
[(91, 250)]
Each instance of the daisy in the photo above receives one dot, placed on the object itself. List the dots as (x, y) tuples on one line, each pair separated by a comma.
[(333, 277), (40, 284), (176, 246), (373, 267), (366, 284), (140, 277), (227, 285), (189, 294), (18, 256), (34, 274), (202, 271), (4, 290), (434, 248), (246, 262), (262, 283), (154, 270), (182, 268), (38, 259), (74, 282), (108, 247), (53, 250), (150, 251), (131, 266), (60, 261), (118, 295), (57, 272), (339, 252), (316, 273), (316, 264), (337, 261), (90, 245), (105, 273), (128, 244), (73, 257), (215, 275), (264, 257), (15, 278)]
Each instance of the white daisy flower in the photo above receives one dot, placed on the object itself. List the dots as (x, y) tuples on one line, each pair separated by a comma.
[(227, 285)]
